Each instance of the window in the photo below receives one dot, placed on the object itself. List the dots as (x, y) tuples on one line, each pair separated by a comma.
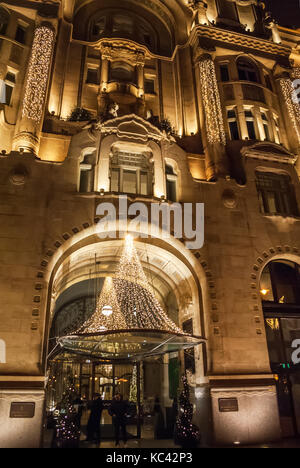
[(122, 72), (233, 124), (224, 73), (145, 36), (265, 122), (20, 34), (122, 24), (280, 290), (92, 76), (131, 173), (149, 86), (277, 129), (247, 71), (4, 20), (276, 194), (86, 184), (250, 124), (99, 27), (10, 81), (171, 183), (227, 9), (280, 283)]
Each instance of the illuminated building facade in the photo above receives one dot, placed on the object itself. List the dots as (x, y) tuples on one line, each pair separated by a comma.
[(165, 101)]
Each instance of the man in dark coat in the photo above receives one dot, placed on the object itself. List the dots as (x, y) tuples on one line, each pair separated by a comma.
[(118, 411), (93, 426)]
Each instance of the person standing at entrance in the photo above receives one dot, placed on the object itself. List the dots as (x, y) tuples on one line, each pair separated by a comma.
[(118, 411), (93, 426)]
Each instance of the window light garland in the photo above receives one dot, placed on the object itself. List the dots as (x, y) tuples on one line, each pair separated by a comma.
[(38, 71), (212, 104), (292, 107)]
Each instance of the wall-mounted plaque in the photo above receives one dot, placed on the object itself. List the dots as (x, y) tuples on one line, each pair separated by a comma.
[(22, 410), (228, 405)]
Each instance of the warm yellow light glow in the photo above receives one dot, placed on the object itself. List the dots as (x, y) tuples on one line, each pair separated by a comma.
[(292, 107), (38, 71), (107, 310), (212, 103), (264, 292)]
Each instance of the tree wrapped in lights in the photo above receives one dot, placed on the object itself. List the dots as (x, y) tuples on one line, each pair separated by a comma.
[(133, 385), (67, 430), (186, 433)]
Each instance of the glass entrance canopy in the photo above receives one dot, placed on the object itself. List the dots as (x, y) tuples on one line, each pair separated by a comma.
[(127, 345)]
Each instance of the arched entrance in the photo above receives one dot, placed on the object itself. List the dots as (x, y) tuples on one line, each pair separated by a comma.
[(280, 292), (77, 281)]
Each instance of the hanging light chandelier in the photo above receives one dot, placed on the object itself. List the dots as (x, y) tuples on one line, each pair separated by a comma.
[(129, 322)]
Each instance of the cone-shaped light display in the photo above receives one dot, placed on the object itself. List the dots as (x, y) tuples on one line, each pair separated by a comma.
[(129, 321)]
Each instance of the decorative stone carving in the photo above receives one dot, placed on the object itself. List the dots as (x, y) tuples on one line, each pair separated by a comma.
[(18, 175), (229, 199), (113, 109), (120, 49)]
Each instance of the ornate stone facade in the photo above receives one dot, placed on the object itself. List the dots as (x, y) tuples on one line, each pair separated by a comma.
[(165, 102)]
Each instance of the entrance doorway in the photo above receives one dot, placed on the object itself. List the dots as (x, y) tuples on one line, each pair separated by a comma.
[(279, 289), (88, 379)]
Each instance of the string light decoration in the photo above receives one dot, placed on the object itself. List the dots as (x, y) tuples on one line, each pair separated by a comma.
[(67, 427), (130, 297), (129, 322), (292, 107), (133, 385), (212, 103), (296, 73), (38, 71), (101, 320), (186, 434)]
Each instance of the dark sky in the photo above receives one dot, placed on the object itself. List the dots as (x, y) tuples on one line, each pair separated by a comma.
[(287, 12)]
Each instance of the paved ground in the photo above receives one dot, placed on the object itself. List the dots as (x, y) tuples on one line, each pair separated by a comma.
[(165, 444)]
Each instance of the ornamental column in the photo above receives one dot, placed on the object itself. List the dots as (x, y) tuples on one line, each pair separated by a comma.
[(30, 120), (103, 96), (140, 64), (215, 151)]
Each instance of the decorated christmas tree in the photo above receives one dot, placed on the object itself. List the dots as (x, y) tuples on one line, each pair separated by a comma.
[(67, 430), (133, 385), (186, 433)]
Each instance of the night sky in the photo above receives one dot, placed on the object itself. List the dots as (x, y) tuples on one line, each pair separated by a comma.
[(287, 12)]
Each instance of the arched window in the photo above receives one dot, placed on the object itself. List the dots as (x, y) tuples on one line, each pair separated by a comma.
[(4, 20), (122, 72), (87, 174), (171, 183), (280, 283), (247, 70), (280, 288)]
